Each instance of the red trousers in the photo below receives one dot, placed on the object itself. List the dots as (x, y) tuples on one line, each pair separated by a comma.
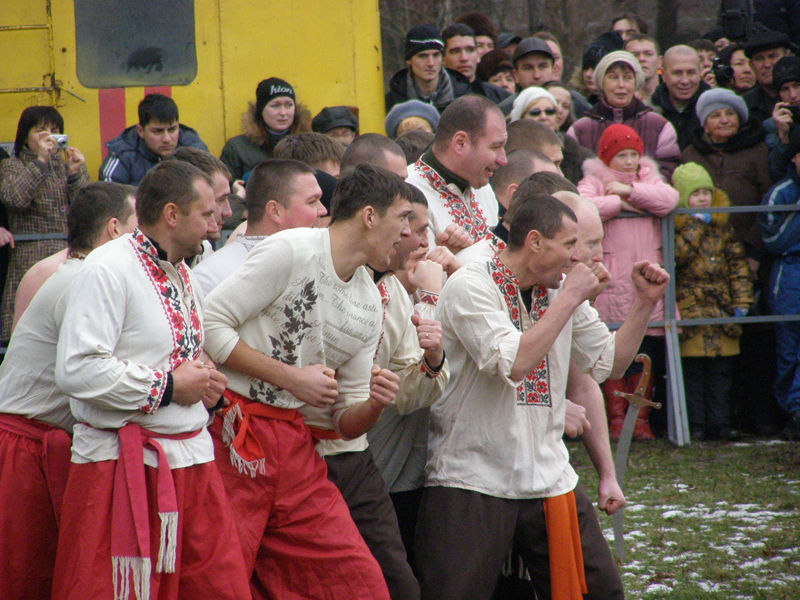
[(28, 523), (297, 536), (209, 559)]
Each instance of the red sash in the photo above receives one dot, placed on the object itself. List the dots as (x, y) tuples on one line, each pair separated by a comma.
[(130, 526), (247, 454)]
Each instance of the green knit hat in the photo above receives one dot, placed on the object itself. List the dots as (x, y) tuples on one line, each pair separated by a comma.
[(687, 179)]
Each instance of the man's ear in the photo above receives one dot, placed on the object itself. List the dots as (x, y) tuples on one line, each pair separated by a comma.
[(273, 210), (112, 228), (534, 240), (368, 217), (140, 130), (512, 187), (460, 142), (170, 214)]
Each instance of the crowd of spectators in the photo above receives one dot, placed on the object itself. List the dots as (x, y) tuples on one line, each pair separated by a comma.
[(731, 106), (369, 383)]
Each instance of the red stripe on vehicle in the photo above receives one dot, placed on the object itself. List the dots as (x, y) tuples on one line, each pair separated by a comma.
[(111, 114), (165, 90)]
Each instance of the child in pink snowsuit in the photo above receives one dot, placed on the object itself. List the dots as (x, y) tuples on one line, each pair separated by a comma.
[(622, 180)]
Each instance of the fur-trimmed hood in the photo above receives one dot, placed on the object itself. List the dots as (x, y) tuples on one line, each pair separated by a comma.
[(257, 135), (718, 200), (648, 171)]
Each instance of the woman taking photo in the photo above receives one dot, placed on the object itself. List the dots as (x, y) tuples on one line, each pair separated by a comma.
[(36, 187)]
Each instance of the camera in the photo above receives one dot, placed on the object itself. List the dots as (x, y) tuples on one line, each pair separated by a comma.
[(722, 73), (795, 110), (61, 140)]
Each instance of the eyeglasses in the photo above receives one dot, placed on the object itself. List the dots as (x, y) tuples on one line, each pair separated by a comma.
[(535, 112)]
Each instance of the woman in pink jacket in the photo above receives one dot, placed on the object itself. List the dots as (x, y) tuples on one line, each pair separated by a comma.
[(620, 180)]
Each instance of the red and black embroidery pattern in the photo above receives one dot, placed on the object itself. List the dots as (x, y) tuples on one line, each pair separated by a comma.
[(535, 389), (470, 217), (495, 242), (187, 335), (428, 297), (385, 297)]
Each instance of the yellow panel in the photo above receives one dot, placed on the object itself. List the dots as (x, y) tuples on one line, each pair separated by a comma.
[(27, 59), (330, 52), (201, 103), (28, 12)]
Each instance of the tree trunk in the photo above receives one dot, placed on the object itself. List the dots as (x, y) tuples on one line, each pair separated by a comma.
[(666, 22), (535, 15)]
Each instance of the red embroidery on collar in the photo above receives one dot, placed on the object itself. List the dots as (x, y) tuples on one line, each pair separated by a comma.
[(535, 388), (495, 242), (469, 217), (187, 337)]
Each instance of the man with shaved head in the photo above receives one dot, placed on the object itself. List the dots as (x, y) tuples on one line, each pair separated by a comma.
[(521, 163), (677, 96), (532, 135), (374, 149)]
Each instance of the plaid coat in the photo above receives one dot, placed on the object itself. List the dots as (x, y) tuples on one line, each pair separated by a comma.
[(37, 198)]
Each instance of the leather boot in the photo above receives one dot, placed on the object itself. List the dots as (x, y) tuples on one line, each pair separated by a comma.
[(642, 431), (615, 406)]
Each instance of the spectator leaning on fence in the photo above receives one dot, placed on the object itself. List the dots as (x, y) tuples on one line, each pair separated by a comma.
[(712, 280), (623, 179)]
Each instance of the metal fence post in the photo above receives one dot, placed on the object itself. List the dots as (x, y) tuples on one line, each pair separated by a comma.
[(677, 421)]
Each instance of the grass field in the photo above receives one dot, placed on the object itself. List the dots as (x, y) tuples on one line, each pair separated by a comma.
[(711, 520)]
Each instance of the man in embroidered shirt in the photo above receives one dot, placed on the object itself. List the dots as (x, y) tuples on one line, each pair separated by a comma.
[(398, 441), (454, 172), (144, 506), (296, 329), (220, 178), (34, 414), (496, 459), (281, 194)]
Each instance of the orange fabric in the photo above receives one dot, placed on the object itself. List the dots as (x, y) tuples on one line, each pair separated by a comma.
[(567, 579), (323, 434)]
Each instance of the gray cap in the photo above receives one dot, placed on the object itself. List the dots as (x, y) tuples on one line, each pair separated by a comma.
[(529, 46)]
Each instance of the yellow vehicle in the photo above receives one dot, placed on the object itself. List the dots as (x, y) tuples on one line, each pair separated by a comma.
[(94, 60)]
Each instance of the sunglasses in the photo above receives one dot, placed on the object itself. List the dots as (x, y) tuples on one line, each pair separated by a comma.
[(535, 112)]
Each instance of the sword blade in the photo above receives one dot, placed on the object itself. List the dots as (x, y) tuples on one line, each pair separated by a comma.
[(620, 463)]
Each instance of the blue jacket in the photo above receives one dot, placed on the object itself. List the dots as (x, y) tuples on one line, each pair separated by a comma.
[(781, 230), (129, 158)]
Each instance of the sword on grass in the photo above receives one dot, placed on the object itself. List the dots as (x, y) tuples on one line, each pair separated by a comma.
[(636, 400)]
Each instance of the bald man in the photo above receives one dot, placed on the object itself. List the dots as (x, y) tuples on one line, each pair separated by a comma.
[(677, 96)]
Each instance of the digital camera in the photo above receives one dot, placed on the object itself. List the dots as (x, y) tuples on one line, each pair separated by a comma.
[(60, 139)]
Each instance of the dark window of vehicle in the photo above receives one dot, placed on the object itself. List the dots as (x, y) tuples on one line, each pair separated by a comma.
[(124, 43)]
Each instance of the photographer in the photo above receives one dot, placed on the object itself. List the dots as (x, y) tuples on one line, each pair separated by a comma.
[(36, 187), (785, 115)]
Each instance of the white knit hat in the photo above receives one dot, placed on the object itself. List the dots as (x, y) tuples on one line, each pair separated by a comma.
[(618, 56), (527, 97)]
